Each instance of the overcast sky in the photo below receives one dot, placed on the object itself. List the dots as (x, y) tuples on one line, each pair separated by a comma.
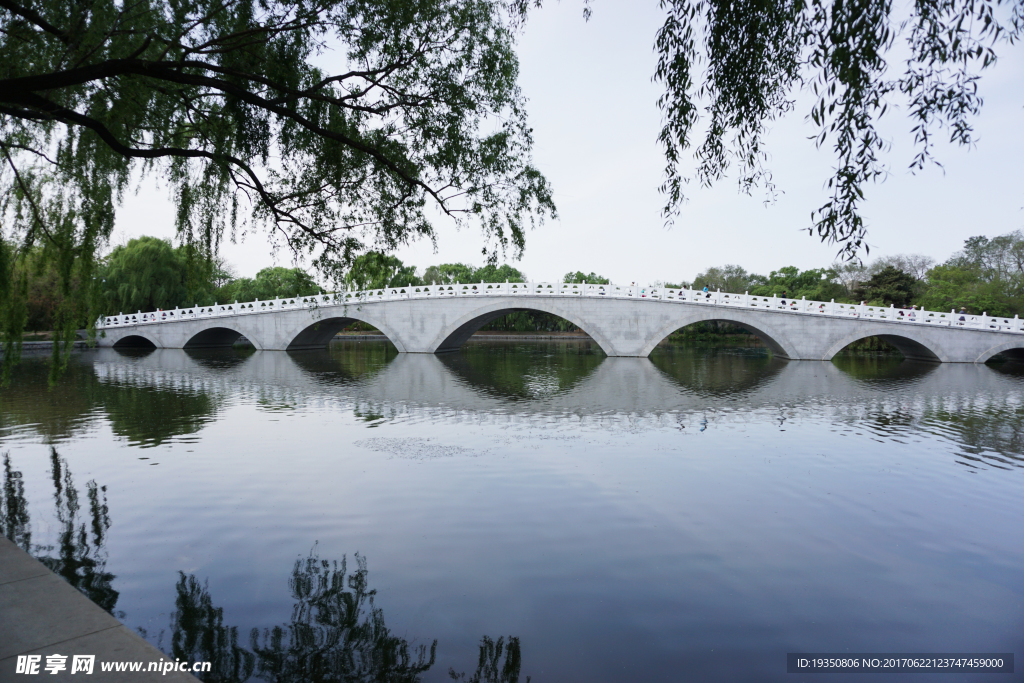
[(592, 106)]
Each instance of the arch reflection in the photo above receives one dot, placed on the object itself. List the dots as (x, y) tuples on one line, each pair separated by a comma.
[(518, 371), (345, 361), (221, 358), (883, 370), (717, 371)]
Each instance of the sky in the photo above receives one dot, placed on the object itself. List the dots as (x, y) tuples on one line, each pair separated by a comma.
[(592, 105)]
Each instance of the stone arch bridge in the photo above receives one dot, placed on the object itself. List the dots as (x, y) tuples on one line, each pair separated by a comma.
[(623, 321)]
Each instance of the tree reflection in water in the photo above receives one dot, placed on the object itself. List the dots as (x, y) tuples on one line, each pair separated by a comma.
[(490, 668), (143, 415), (79, 555), (14, 508), (336, 633)]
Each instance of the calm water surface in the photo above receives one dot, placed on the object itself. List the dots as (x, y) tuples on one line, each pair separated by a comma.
[(526, 509)]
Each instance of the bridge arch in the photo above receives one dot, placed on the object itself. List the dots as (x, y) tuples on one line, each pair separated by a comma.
[(218, 337), (773, 338), (135, 341), (912, 345), (454, 335), (1013, 349), (319, 334)]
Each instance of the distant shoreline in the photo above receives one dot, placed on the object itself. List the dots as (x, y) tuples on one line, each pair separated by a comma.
[(478, 336), (38, 348)]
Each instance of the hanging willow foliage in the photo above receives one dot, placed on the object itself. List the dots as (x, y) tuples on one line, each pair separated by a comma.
[(730, 67), (228, 102)]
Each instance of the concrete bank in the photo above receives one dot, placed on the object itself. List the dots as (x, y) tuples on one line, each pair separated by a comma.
[(42, 615)]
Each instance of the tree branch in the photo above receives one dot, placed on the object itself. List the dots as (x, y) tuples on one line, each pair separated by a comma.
[(34, 17)]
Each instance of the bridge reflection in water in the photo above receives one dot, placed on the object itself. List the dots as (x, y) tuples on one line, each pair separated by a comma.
[(152, 397), (166, 394)]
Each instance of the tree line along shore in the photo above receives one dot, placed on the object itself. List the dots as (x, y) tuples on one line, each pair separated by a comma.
[(148, 273)]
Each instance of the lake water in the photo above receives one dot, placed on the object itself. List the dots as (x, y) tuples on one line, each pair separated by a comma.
[(526, 509)]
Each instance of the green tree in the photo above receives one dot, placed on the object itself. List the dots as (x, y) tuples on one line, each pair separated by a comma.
[(270, 283), (228, 104), (447, 274), (889, 286), (590, 278), (951, 287), (502, 273), (986, 276), (144, 275), (820, 284), (374, 270), (996, 258), (43, 298), (731, 68), (729, 278)]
